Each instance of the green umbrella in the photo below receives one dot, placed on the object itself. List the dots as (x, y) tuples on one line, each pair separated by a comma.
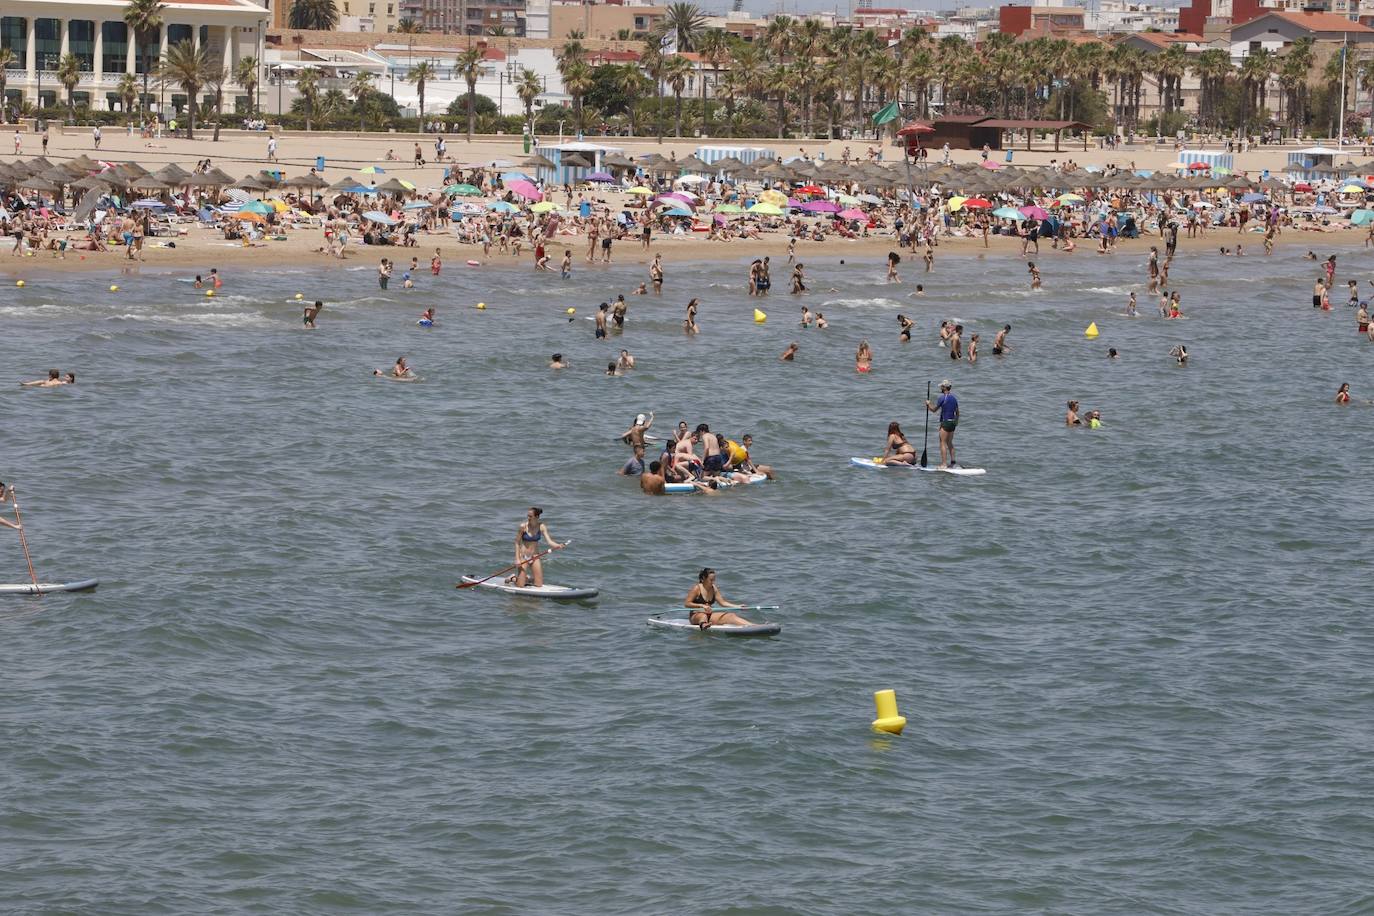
[(462, 190), (729, 208), (257, 206)]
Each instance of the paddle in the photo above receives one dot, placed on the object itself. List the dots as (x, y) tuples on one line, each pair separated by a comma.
[(502, 572), (746, 607), (926, 441), (24, 542)]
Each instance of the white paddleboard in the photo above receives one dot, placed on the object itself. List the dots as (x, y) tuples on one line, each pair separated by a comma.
[(564, 592), (688, 488), (962, 472), (880, 465), (683, 625), (28, 588)]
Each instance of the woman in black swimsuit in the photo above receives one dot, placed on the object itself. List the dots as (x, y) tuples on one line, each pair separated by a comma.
[(527, 540), (703, 596)]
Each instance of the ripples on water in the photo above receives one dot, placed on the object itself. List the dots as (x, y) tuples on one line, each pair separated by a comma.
[(1135, 660)]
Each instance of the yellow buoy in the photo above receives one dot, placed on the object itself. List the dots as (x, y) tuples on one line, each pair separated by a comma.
[(888, 720), (113, 288), (1091, 332), (209, 294), (481, 306), (572, 311), (300, 295), (759, 317), (19, 283)]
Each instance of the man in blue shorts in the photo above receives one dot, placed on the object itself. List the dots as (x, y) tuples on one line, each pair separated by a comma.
[(947, 406)]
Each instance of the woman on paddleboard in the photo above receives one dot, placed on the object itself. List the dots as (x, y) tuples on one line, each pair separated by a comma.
[(703, 596), (529, 537), (898, 450)]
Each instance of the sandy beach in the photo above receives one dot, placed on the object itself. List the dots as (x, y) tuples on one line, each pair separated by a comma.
[(244, 153)]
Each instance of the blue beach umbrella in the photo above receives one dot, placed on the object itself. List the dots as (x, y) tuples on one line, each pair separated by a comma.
[(1253, 198), (1360, 217), (1008, 213), (500, 206), (377, 216), (677, 211), (417, 205)]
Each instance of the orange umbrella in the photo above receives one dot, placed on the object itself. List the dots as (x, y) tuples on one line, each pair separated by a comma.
[(251, 217)]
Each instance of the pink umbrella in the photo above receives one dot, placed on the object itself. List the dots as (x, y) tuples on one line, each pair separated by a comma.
[(525, 190), (1035, 212), (989, 164), (821, 206), (851, 213), (675, 200)]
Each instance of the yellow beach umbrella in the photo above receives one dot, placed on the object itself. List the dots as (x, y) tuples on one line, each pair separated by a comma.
[(955, 204), (279, 205), (1070, 198), (641, 191), (1351, 189), (766, 209), (543, 207), (773, 197), (406, 184)]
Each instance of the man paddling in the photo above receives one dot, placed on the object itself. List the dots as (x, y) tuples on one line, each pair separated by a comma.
[(531, 533), (947, 406), (5, 498)]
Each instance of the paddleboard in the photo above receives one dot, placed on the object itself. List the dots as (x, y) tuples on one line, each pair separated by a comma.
[(404, 378), (688, 488), (557, 592), (880, 465), (84, 585), (962, 472), (681, 624)]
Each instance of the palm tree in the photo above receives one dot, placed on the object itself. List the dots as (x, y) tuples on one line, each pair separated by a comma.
[(215, 75), (949, 53), (1255, 71), (144, 19), (630, 82), (1365, 71), (676, 69), (69, 75), (497, 31), (1169, 69), (728, 90), (409, 27), (714, 48), (779, 81), (1211, 68), (652, 60), (470, 66), (127, 90), (246, 75), (308, 88), (1293, 69), (1339, 83), (6, 59), (685, 19), (316, 15), (185, 66), (361, 89), (577, 80), (528, 89), (419, 75)]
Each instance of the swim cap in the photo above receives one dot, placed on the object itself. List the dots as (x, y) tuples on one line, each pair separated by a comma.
[(639, 419), (946, 383)]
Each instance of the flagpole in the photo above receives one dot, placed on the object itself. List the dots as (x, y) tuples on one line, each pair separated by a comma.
[(1340, 132)]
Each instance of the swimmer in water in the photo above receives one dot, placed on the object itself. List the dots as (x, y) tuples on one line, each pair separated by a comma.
[(427, 318), (806, 318), (652, 481), (1130, 306), (556, 362), (400, 370), (310, 313), (635, 434), (999, 343), (956, 342), (946, 331), (790, 353), (893, 259), (821, 323), (863, 357), (906, 324), (1111, 353), (1180, 354), (1343, 395), (54, 379), (626, 361), (973, 349), (689, 324), (1071, 417), (1034, 274), (702, 600), (920, 290)]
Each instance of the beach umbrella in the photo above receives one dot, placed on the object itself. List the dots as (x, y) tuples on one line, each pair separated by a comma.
[(37, 183), (809, 189), (852, 214), (610, 159), (310, 181), (955, 203), (1070, 198), (821, 206), (1360, 217), (544, 162), (280, 206), (729, 208), (601, 178), (149, 203), (977, 203), (250, 184), (218, 178), (377, 216), (418, 205), (1351, 189), (677, 211), (728, 164), (577, 161), (463, 190), (372, 170), (525, 190), (991, 166), (1008, 213), (91, 181), (1253, 198), (640, 192), (694, 164), (394, 186), (148, 183), (766, 209), (1325, 210), (257, 206), (691, 179), (543, 206), (501, 206), (1035, 212), (868, 199), (250, 217), (777, 198), (467, 209)]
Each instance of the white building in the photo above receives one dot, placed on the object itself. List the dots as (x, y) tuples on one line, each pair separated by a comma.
[(42, 32)]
